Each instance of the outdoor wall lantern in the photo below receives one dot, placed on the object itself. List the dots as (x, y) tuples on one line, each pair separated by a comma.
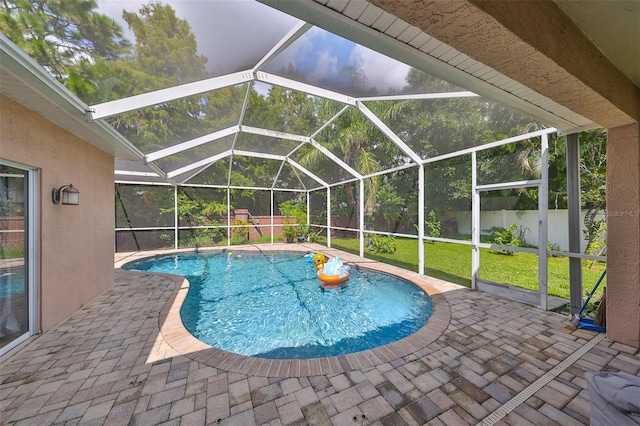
[(67, 194)]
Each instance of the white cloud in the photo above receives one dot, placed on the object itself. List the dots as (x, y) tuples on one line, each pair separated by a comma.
[(297, 52), (326, 66), (381, 71)]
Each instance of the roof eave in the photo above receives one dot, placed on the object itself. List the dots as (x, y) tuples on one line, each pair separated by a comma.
[(25, 81)]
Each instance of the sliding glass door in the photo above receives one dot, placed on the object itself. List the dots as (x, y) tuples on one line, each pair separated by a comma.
[(17, 269)]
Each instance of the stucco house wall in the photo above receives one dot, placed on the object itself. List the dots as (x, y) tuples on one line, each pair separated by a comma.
[(76, 242)]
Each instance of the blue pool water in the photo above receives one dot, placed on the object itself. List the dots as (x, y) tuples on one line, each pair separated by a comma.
[(271, 305), (11, 282)]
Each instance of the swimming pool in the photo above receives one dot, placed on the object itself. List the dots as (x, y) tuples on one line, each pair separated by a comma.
[(271, 305)]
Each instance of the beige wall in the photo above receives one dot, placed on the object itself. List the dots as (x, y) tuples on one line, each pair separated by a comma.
[(534, 43), (76, 243), (623, 239)]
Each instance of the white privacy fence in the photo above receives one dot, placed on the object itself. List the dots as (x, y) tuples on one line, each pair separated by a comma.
[(527, 220)]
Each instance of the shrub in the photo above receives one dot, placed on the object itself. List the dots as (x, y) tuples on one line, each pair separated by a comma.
[(553, 247), (239, 235), (433, 226), (313, 237), (382, 243), (197, 237), (290, 230), (505, 237), (298, 210)]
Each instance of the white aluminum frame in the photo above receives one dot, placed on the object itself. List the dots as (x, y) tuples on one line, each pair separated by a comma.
[(119, 106), (543, 188)]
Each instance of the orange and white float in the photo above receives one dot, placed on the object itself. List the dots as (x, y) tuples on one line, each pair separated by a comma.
[(333, 272)]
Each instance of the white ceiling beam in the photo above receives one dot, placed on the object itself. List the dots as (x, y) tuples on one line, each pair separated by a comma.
[(295, 172), (277, 176), (389, 171), (389, 133), (131, 103), (197, 164), (160, 172), (335, 159), (132, 173), (420, 96), (303, 87), (195, 173), (191, 143), (330, 121), (140, 182), (274, 134), (297, 147), (308, 173), (296, 32), (245, 104), (490, 145), (259, 155)]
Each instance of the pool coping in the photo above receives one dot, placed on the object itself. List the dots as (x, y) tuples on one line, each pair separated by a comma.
[(183, 342)]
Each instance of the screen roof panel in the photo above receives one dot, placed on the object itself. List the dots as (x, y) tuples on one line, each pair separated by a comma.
[(198, 120), (331, 62), (216, 173), (168, 124), (284, 109), (264, 144), (320, 165), (290, 178), (196, 154), (254, 172), (438, 126), (231, 35)]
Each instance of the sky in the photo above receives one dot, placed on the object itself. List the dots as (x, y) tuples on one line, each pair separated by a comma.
[(321, 57), (235, 34)]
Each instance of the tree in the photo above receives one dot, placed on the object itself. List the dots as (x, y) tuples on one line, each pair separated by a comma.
[(389, 205), (435, 127), (96, 81), (359, 144), (593, 168), (165, 55), (59, 34), (165, 47)]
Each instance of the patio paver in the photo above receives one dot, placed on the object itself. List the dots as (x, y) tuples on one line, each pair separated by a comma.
[(123, 359)]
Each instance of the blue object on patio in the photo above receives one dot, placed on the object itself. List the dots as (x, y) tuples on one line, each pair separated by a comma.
[(588, 323)]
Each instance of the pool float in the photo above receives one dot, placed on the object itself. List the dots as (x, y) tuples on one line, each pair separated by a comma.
[(318, 259), (334, 272)]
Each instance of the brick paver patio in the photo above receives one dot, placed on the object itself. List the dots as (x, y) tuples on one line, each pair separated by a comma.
[(125, 359)]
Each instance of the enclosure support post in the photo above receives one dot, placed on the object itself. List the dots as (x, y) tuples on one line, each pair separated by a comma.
[(573, 205), (228, 217), (272, 216), (421, 219), (329, 216), (175, 217), (308, 209), (361, 218), (543, 231), (475, 224)]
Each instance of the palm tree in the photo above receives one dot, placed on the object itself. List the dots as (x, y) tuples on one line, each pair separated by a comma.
[(357, 142)]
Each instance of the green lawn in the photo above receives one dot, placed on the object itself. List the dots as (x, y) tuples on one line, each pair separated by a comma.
[(452, 262)]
